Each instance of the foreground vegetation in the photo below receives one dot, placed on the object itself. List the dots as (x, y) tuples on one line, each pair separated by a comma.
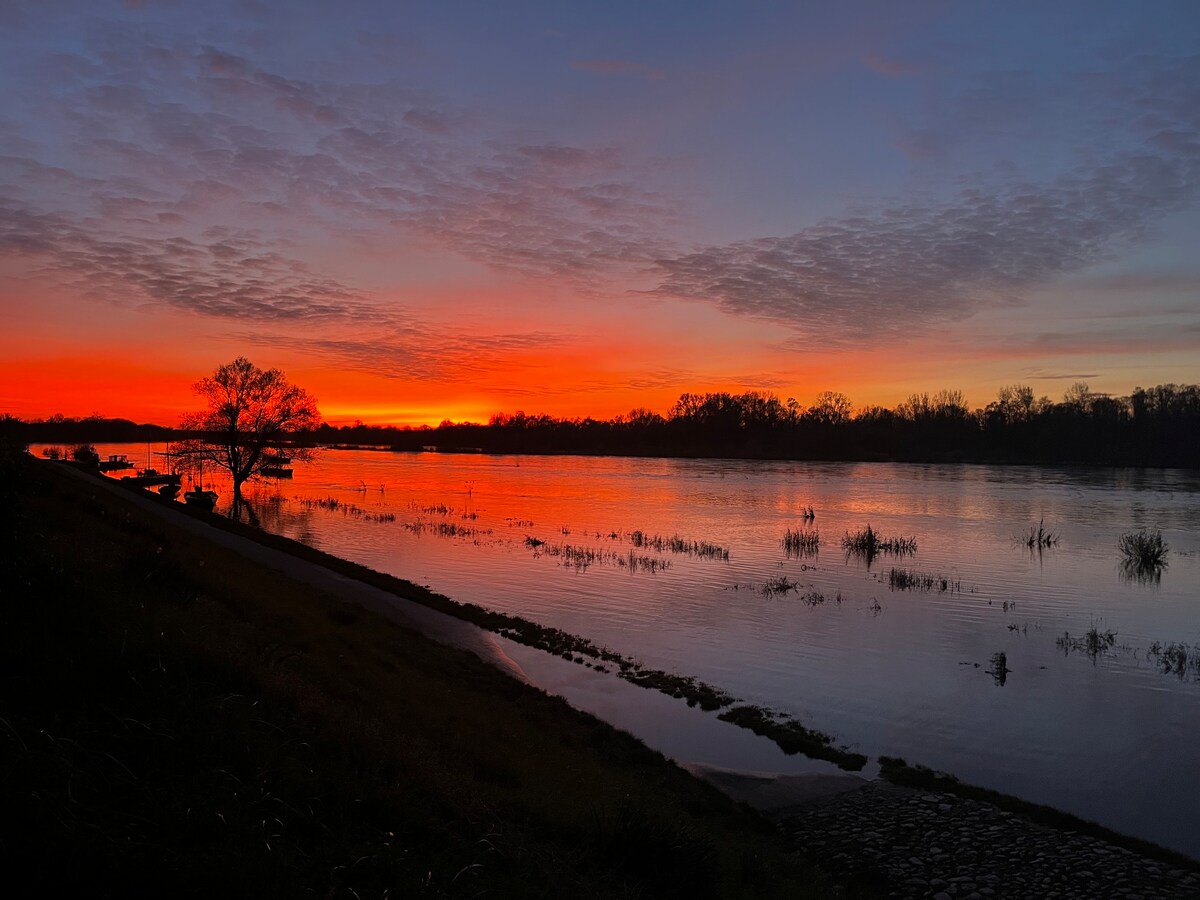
[(177, 721)]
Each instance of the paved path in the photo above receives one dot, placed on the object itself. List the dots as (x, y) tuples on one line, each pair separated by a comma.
[(436, 625)]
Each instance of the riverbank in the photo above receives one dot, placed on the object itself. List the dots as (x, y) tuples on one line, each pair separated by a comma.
[(175, 719)]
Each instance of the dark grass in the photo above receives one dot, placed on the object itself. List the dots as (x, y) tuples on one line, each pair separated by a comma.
[(176, 721), (897, 771)]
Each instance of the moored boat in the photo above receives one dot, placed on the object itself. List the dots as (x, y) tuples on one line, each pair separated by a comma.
[(201, 498)]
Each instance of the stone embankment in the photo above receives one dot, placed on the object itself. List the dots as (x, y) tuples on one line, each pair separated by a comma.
[(941, 846)]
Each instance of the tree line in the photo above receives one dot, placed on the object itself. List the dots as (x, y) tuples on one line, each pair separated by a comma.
[(1157, 426)]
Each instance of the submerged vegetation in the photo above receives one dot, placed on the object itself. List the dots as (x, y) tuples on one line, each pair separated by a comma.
[(801, 542), (1094, 643), (907, 580), (676, 544), (1144, 550), (999, 670), (867, 543), (333, 504), (580, 558), (779, 585), (1040, 538), (447, 529), (1176, 658)]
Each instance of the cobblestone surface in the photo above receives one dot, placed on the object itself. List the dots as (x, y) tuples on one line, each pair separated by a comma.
[(942, 846)]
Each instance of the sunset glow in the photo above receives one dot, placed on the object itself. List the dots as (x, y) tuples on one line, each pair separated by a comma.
[(447, 211)]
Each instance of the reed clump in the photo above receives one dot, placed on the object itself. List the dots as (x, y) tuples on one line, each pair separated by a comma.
[(446, 529), (1144, 549), (999, 670), (801, 542), (1176, 658), (581, 558), (333, 504), (868, 543), (908, 580), (1094, 643), (676, 544), (1040, 538), (780, 585)]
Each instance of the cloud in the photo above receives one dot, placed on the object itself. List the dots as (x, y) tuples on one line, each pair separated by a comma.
[(881, 274), (229, 273), (616, 67), (417, 351), (158, 138), (179, 137), (1036, 372)]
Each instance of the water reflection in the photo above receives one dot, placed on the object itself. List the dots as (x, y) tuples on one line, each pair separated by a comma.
[(1139, 572)]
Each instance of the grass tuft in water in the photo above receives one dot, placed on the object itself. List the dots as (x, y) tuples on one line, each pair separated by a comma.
[(908, 580), (780, 585), (1143, 551), (868, 544), (1040, 538), (1176, 658), (676, 544), (1094, 643), (798, 542), (999, 670)]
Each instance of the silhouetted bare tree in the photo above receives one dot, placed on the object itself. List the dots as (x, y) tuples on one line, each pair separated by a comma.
[(248, 412)]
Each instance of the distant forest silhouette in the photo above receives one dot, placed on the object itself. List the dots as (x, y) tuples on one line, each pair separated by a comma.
[(1158, 426)]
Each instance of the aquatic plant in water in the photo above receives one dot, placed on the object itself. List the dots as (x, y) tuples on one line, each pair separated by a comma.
[(799, 542), (868, 544), (333, 504), (908, 580), (1176, 658), (780, 585), (1094, 643), (1040, 538), (1144, 553), (676, 544), (999, 670)]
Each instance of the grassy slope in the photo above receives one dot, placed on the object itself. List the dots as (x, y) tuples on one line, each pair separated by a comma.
[(174, 720)]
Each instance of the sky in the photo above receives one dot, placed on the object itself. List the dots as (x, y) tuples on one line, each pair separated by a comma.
[(431, 210)]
